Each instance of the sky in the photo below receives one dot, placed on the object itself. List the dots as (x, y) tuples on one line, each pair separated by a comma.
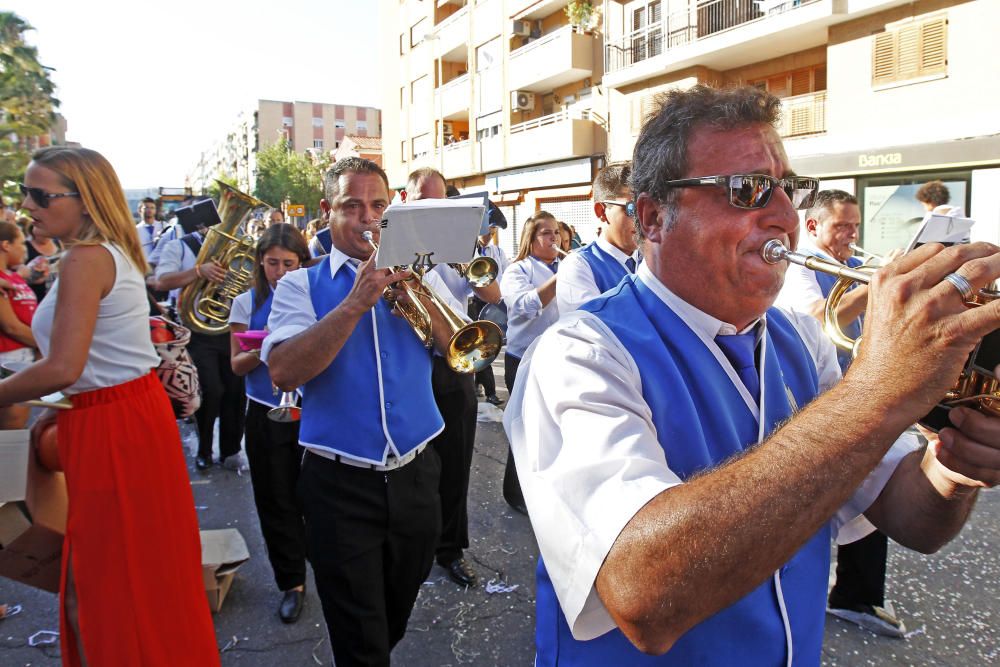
[(152, 85)]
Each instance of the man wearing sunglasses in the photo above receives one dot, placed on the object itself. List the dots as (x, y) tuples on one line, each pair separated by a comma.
[(601, 265), (687, 452)]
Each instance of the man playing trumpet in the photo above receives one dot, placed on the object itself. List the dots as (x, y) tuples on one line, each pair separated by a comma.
[(832, 225), (687, 452), (368, 482)]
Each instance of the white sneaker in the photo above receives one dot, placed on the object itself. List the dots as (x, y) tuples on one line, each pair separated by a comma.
[(879, 620), (237, 462)]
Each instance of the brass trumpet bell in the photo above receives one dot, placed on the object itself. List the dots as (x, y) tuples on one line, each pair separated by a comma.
[(480, 272)]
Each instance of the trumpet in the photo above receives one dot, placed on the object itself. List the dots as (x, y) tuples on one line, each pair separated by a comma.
[(480, 272), (976, 385), (562, 253), (471, 347), (287, 410)]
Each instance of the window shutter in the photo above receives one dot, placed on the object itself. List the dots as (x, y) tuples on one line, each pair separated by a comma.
[(934, 51), (884, 57), (910, 51)]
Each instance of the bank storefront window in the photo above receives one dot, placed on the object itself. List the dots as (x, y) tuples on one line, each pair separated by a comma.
[(890, 212)]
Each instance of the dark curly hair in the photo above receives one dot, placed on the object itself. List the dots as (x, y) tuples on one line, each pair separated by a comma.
[(933, 193)]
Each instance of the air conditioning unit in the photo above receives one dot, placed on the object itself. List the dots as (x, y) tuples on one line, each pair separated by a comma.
[(522, 28), (522, 100)]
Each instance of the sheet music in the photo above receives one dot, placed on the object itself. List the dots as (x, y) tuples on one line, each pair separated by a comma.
[(946, 229), (447, 229)]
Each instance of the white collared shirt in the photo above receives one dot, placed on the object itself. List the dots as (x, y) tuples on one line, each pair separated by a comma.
[(527, 318), (177, 256), (801, 289), (587, 452), (148, 235), (576, 284)]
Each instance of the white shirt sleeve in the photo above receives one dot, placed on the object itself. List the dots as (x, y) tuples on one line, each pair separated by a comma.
[(849, 524), (291, 310), (801, 289), (519, 293), (436, 283), (316, 248), (240, 311), (166, 237), (587, 456), (576, 283), (172, 259)]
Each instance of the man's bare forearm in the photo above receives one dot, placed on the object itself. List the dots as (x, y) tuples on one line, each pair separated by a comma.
[(700, 546), (176, 279), (295, 361), (851, 307)]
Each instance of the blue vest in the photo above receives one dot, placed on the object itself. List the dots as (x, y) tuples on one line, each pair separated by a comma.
[(607, 270), (701, 420), (259, 387), (323, 236), (346, 409), (826, 283)]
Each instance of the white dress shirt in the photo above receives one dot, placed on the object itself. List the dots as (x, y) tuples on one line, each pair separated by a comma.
[(148, 235), (801, 289), (177, 256), (292, 309), (527, 318), (587, 452), (168, 234), (576, 284)]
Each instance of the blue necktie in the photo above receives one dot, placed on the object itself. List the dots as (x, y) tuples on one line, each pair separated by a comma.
[(739, 349), (630, 264)]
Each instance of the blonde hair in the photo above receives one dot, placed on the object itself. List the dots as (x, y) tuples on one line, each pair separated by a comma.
[(528, 233), (108, 218)]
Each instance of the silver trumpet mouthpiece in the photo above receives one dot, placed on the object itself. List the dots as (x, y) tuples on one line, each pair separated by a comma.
[(773, 251)]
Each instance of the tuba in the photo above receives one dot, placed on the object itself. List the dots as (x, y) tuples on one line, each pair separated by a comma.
[(204, 305), (471, 347), (977, 387)]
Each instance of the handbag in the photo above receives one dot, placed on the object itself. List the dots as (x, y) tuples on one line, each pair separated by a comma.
[(176, 371)]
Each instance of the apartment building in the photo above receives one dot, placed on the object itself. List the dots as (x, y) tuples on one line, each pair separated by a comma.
[(879, 96), (309, 127), (499, 95)]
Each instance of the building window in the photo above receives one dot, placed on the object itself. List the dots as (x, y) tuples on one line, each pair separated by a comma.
[(361, 125), (340, 124), (403, 155), (795, 82), (916, 49), (317, 143), (417, 32), (317, 122), (286, 121), (421, 146), (402, 42)]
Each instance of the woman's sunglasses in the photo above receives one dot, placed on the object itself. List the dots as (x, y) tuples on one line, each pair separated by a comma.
[(749, 191), (41, 197)]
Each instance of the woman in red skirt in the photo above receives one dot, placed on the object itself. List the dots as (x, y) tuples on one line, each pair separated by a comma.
[(132, 591)]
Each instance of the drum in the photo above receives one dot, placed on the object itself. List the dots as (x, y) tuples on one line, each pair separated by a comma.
[(497, 314)]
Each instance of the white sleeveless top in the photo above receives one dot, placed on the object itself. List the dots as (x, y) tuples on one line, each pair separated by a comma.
[(121, 349)]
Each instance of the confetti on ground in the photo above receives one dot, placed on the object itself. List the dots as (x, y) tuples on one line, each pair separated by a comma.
[(43, 638), (494, 586)]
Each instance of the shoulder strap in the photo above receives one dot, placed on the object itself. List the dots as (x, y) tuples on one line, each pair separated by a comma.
[(192, 241)]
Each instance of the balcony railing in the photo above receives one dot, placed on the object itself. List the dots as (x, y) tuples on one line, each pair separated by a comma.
[(560, 117), (702, 19), (803, 114)]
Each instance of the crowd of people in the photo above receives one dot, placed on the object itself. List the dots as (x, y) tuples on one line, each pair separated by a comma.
[(683, 437)]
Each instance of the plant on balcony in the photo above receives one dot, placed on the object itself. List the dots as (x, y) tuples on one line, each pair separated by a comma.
[(582, 15)]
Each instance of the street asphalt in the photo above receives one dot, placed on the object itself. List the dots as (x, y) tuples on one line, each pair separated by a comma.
[(948, 601)]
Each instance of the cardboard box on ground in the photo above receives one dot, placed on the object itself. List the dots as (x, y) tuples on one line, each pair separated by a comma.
[(222, 553), (31, 551)]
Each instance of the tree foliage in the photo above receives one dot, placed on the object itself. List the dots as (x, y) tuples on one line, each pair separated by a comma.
[(27, 104), (284, 174)]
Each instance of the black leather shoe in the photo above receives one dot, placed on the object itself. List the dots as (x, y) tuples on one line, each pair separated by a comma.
[(203, 463), (461, 572), (291, 606)]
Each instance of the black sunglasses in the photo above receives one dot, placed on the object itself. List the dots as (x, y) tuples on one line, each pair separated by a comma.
[(41, 197), (750, 191), (629, 206)]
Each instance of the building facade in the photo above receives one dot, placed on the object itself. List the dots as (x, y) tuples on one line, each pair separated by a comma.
[(308, 127), (499, 95), (879, 96)]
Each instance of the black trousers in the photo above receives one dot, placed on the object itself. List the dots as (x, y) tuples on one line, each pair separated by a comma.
[(222, 395), (484, 377), (861, 572), (511, 486), (275, 458), (371, 537), (455, 395)]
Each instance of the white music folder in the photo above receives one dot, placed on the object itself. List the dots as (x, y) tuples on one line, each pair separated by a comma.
[(444, 229)]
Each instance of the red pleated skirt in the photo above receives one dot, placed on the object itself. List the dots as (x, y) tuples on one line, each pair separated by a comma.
[(132, 533)]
